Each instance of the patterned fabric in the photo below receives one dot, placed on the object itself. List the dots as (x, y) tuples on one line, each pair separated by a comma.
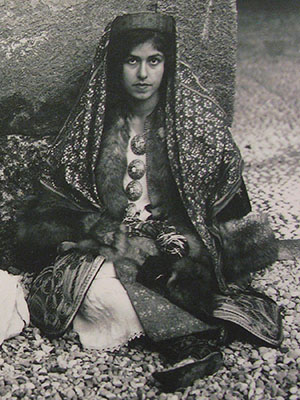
[(204, 159), (143, 20), (160, 318), (57, 293), (253, 311), (21, 161)]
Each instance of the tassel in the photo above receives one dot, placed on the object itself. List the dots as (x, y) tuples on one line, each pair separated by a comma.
[(173, 243), (167, 239)]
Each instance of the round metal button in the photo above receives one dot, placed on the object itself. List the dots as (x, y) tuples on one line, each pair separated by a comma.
[(134, 190), (138, 145), (136, 169)]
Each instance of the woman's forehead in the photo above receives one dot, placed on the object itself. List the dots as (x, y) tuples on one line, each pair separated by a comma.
[(145, 49)]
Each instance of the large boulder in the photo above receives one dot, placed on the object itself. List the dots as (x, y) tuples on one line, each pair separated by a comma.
[(46, 48)]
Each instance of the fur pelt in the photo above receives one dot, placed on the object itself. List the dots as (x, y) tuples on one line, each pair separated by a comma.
[(248, 245), (47, 226)]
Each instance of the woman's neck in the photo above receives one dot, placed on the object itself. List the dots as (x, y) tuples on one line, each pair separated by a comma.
[(142, 109)]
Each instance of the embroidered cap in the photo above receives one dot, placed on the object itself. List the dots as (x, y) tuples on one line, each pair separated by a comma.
[(143, 20)]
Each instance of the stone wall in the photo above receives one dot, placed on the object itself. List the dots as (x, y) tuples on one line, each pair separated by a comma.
[(46, 47)]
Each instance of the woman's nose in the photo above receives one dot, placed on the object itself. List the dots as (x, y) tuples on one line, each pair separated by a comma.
[(142, 71)]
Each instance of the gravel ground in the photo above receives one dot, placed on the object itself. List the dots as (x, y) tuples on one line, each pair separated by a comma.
[(267, 129)]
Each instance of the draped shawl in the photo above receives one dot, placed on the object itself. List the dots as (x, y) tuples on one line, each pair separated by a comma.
[(203, 156)]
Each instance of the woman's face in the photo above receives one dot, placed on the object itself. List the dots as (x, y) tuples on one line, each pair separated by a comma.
[(143, 71)]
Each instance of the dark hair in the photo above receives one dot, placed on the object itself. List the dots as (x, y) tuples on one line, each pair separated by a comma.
[(119, 49)]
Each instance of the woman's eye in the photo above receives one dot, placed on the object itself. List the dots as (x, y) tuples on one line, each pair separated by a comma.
[(131, 61), (155, 61)]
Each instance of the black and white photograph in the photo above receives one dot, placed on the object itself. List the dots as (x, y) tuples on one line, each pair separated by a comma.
[(150, 200)]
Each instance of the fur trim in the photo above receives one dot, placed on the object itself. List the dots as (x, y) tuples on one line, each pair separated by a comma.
[(249, 245), (111, 168)]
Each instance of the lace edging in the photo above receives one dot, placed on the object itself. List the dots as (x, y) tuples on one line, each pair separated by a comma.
[(134, 336)]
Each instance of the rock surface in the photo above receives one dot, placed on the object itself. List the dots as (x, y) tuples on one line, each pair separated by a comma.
[(47, 46)]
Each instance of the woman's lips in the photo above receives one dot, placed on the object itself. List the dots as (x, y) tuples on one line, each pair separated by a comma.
[(142, 85)]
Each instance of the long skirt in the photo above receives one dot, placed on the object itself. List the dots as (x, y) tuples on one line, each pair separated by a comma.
[(109, 309)]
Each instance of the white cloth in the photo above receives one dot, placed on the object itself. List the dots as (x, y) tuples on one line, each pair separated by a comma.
[(14, 314), (106, 319)]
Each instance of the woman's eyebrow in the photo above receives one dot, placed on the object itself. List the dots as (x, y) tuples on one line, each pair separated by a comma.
[(158, 54), (132, 55)]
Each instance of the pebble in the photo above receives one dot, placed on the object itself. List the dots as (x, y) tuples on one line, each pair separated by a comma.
[(106, 394), (163, 396), (117, 382), (151, 394), (136, 357), (259, 391), (257, 364), (61, 362), (242, 387), (29, 386), (294, 390), (269, 355)]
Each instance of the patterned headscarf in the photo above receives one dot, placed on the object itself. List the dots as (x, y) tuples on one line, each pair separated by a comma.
[(204, 159)]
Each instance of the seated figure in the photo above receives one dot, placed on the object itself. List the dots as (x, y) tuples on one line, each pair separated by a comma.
[(140, 226)]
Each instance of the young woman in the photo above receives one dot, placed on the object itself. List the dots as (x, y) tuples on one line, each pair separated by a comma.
[(146, 149)]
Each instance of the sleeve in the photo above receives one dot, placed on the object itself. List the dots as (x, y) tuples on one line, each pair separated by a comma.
[(42, 224)]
